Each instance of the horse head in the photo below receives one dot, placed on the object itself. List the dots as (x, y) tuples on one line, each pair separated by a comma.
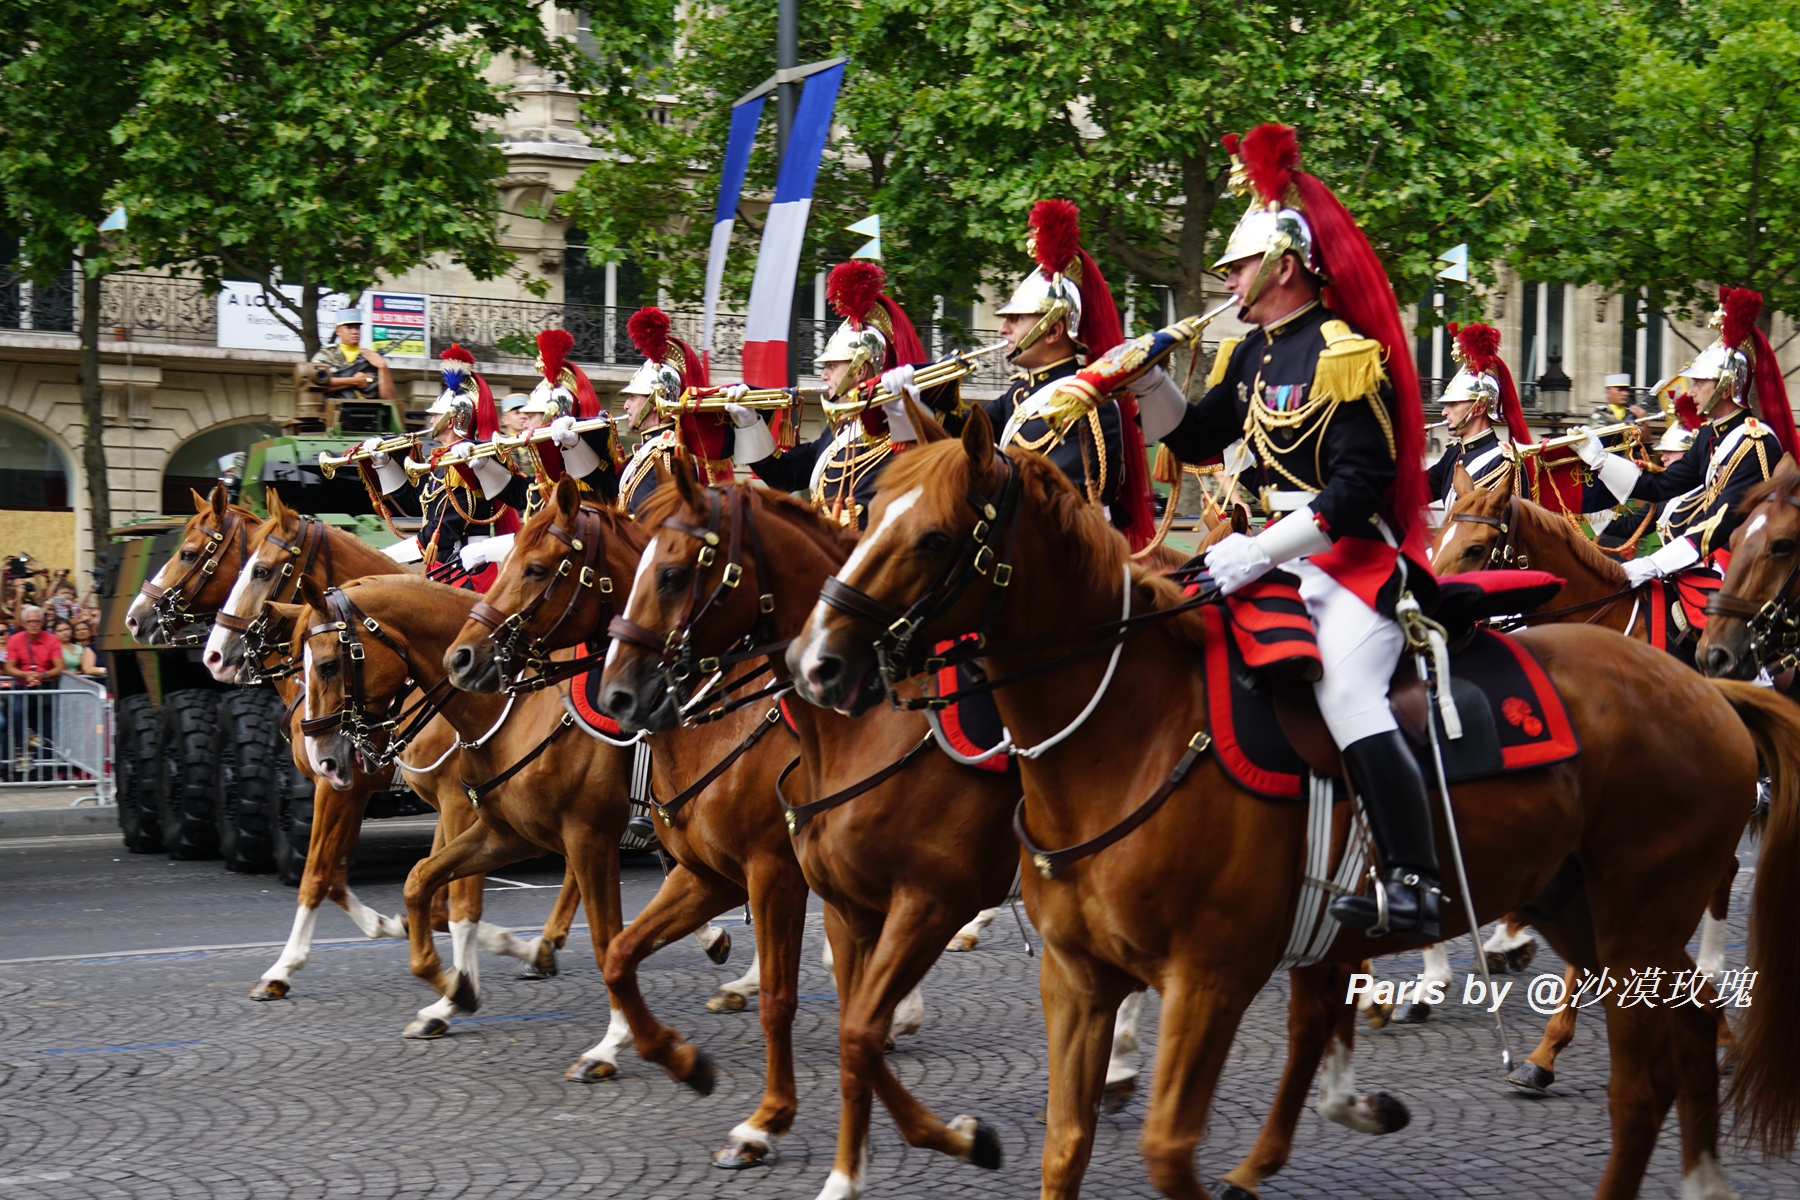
[(191, 586), (1475, 526), (1752, 619), (555, 590), (265, 564)]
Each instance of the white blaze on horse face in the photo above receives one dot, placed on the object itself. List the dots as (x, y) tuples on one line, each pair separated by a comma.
[(815, 642), (643, 565), (245, 597), (1756, 523)]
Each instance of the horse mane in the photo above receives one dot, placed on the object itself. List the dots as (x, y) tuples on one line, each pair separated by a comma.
[(1781, 487), (537, 528), (1096, 551), (1585, 552), (667, 502)]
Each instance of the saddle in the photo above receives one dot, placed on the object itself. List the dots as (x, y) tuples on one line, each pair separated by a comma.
[(971, 724), (583, 703), (1267, 730)]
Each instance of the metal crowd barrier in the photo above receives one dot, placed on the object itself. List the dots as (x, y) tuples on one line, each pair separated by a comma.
[(59, 737)]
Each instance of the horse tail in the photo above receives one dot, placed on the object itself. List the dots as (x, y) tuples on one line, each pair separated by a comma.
[(1765, 1090)]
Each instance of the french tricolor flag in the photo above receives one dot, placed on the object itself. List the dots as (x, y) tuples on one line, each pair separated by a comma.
[(731, 185), (772, 293)]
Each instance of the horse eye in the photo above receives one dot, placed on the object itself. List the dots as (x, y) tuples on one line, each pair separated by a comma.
[(934, 541), (189, 555), (536, 570), (260, 572), (328, 667), (1782, 547), (670, 579)]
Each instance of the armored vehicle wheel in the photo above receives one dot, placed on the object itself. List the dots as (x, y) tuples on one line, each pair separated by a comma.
[(135, 734), (249, 749), (185, 781), (293, 824)]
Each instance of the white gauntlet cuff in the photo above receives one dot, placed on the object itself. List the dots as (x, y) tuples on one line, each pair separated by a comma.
[(492, 477), (753, 443), (1161, 403), (392, 476), (1296, 535), (1619, 475), (580, 459)]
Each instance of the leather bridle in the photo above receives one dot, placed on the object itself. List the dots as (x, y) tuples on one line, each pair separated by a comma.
[(519, 651), (1774, 624), (169, 605), (677, 659), (377, 736), (999, 510), (1505, 552), (261, 641)]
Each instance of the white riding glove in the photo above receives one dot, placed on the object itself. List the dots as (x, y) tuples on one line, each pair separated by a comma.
[(579, 458), (741, 417), (900, 426), (377, 459), (456, 452), (1671, 558), (390, 474), (1239, 561), (562, 433), (899, 382), (1161, 403), (1617, 473), (736, 391)]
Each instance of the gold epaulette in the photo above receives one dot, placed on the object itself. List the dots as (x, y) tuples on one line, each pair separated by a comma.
[(1222, 361), (1349, 368), (1756, 429)]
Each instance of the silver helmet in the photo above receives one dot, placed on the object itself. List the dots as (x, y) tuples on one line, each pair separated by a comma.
[(1051, 298), (659, 381), (1268, 231), (455, 405), (1676, 437), (1476, 387), (861, 348), (552, 400)]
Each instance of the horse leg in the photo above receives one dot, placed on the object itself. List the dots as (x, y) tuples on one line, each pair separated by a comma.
[(476, 851), (538, 954), (1437, 970), (337, 821), (1199, 1020), (735, 996), (1697, 1103), (969, 936), (912, 938), (1644, 1084), (846, 948), (1317, 1018), (686, 900), (716, 941), (1511, 948), (778, 897), (1538, 1071), (1122, 1065), (562, 914), (593, 859), (1078, 1008)]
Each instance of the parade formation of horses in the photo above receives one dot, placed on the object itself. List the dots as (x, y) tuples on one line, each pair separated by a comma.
[(1616, 852)]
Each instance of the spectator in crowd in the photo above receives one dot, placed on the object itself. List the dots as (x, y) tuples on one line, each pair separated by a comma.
[(512, 414), (62, 604), (356, 370), (33, 657), (34, 660), (91, 662)]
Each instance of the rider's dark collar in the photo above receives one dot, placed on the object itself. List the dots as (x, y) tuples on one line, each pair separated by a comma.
[(1481, 441), (1055, 370), (650, 432), (1723, 424), (1275, 329)]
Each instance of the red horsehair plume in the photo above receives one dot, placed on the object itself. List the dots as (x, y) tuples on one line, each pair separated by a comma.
[(1480, 346), (852, 288), (1687, 412), (1271, 153), (553, 347), (649, 330), (1742, 307), (457, 354), (1230, 142), (1055, 234), (454, 365)]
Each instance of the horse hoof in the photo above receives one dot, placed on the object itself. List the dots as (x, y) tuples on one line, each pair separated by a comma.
[(963, 941), (1412, 1014), (702, 1077), (1380, 1015), (463, 992), (1118, 1094), (269, 989), (542, 964), (1517, 960), (425, 1028), (738, 1154), (1531, 1077), (1231, 1191), (723, 1001), (590, 1070), (1391, 1113), (720, 951), (1496, 962), (985, 1151)]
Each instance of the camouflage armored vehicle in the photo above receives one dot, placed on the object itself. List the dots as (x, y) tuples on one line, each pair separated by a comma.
[(203, 767)]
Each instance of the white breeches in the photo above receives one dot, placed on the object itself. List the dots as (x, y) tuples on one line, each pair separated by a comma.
[(1359, 647)]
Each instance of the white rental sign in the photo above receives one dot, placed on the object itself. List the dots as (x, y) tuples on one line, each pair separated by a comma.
[(245, 322)]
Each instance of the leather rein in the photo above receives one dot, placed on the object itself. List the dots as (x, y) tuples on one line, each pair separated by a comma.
[(1774, 624), (261, 641), (169, 605), (520, 652), (378, 736)]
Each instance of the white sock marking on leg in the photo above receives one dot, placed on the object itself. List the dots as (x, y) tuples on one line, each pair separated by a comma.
[(299, 945), (1437, 964), (909, 1014), (371, 922), (1123, 1064)]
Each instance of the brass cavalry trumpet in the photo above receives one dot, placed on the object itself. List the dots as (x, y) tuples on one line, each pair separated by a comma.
[(498, 445), (954, 365), (714, 400), (329, 463), (1569, 439)]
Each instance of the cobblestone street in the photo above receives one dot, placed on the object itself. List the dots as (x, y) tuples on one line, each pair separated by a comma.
[(151, 1074)]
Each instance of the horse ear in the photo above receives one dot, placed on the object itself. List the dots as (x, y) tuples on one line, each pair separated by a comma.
[(312, 595), (1785, 467), (1240, 519), (220, 501), (200, 504), (568, 498), (978, 440), (686, 482), (276, 507), (1461, 481), (923, 423)]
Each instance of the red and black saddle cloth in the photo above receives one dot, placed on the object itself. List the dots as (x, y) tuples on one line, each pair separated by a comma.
[(1265, 724), (971, 726), (583, 702)]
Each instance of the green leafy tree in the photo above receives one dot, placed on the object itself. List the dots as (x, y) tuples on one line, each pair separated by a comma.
[(69, 72), (1689, 177), (328, 144)]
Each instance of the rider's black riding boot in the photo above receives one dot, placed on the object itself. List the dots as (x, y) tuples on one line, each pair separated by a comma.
[(1387, 778)]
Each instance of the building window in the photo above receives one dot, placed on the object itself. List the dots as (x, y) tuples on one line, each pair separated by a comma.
[(33, 477), (1540, 329), (1641, 341)]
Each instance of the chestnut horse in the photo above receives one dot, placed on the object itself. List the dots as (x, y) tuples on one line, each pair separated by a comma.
[(1753, 623), (915, 848), (280, 551), (1644, 824), (534, 783), (556, 590)]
